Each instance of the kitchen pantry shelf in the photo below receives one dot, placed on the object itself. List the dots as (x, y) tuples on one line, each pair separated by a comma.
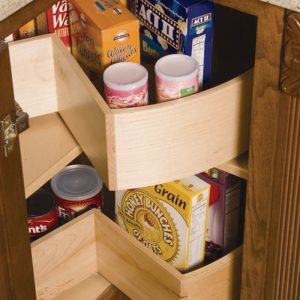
[(139, 146), (70, 255)]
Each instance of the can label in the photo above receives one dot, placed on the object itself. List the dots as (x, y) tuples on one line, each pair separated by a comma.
[(167, 90), (120, 99), (42, 224), (69, 209)]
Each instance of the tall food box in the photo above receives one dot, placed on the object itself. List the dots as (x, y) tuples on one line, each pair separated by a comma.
[(177, 26), (225, 214), (58, 21), (169, 219), (103, 33)]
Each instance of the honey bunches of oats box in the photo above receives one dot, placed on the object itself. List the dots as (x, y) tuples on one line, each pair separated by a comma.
[(169, 218)]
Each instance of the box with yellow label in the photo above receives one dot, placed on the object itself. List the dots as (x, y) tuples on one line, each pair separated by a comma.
[(103, 32), (169, 218)]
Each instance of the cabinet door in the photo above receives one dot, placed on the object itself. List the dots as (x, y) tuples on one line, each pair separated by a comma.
[(16, 274)]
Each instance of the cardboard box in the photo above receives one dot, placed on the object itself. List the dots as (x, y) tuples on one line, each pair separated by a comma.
[(182, 26), (58, 21), (103, 33), (225, 211), (170, 219), (10, 38), (27, 30)]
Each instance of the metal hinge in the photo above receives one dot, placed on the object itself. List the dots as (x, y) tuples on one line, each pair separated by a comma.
[(9, 133)]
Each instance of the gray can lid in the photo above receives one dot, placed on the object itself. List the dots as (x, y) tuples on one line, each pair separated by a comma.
[(76, 182)]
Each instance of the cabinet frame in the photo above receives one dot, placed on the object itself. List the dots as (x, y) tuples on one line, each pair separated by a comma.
[(273, 186)]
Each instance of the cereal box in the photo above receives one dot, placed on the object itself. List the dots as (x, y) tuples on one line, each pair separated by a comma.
[(58, 21), (225, 211), (103, 32), (168, 218), (10, 38), (27, 30), (177, 26)]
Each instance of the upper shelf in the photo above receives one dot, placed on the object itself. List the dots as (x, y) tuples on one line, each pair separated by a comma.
[(20, 14), (133, 147)]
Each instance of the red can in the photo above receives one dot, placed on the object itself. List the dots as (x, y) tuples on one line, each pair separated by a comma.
[(42, 213), (78, 188)]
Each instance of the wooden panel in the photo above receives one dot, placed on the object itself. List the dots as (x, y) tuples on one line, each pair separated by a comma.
[(141, 274), (16, 275), (237, 166), (64, 257), (82, 108), (131, 267), (46, 147), (22, 16), (263, 148), (33, 75), (283, 256)]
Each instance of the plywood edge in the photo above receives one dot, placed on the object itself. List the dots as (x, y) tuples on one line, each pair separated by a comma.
[(65, 256), (237, 166), (131, 267)]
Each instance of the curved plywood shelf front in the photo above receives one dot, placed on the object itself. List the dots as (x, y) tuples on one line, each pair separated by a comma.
[(133, 147), (164, 142)]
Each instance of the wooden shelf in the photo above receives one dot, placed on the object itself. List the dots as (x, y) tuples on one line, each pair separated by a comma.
[(237, 166), (140, 146), (71, 255), (20, 17), (46, 147)]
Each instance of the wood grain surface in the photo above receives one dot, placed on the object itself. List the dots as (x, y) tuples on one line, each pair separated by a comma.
[(16, 274)]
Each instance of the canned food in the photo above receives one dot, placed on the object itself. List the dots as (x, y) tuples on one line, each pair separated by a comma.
[(78, 188), (177, 76), (126, 85), (42, 213)]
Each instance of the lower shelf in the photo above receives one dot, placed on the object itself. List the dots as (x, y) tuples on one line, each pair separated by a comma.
[(92, 243)]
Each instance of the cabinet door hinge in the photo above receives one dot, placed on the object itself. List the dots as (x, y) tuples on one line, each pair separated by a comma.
[(9, 133)]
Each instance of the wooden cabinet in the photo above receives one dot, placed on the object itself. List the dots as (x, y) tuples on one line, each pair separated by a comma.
[(270, 263)]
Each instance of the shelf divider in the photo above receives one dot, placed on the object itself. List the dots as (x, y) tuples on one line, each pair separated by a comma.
[(46, 147)]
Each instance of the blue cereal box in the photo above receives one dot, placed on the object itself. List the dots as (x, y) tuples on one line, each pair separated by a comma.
[(182, 26)]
